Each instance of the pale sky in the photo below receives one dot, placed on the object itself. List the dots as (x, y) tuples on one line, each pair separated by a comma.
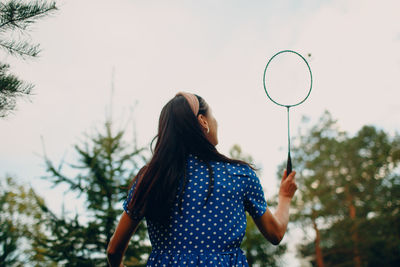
[(217, 49)]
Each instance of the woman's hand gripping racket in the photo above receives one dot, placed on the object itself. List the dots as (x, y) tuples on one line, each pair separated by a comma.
[(287, 82)]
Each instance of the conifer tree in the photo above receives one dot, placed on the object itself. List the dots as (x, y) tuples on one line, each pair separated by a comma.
[(15, 19), (105, 168)]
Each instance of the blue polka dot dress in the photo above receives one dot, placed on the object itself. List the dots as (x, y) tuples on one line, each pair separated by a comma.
[(208, 235)]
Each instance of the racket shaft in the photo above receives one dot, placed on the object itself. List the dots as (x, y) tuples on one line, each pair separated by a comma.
[(289, 165)]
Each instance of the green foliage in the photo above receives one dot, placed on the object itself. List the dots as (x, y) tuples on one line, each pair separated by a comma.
[(105, 170), (258, 251), (349, 194), (15, 19), (18, 16), (20, 221), (11, 87)]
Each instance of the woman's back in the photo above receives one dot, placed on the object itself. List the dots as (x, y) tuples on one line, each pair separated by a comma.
[(207, 227), (208, 234)]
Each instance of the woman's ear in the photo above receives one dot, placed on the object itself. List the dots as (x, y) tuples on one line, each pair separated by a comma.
[(203, 121)]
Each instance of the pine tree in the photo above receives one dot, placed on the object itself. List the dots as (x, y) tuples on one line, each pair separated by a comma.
[(15, 19), (106, 167)]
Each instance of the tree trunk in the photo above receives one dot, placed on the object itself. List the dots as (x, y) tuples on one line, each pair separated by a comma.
[(318, 252), (354, 234)]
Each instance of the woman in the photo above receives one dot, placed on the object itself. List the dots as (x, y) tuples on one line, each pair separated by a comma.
[(194, 198)]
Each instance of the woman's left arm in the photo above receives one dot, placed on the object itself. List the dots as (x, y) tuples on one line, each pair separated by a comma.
[(119, 241)]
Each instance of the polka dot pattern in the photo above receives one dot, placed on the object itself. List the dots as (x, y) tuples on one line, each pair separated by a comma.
[(208, 235)]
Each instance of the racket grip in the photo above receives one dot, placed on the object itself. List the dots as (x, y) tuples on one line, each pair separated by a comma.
[(289, 165)]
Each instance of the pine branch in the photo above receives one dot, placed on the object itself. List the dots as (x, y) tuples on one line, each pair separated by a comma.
[(10, 88), (23, 48), (59, 178), (21, 15), (10, 84)]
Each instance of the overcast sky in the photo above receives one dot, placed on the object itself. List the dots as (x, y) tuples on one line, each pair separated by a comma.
[(217, 49)]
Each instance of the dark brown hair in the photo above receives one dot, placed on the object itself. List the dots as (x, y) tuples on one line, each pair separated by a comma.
[(179, 134)]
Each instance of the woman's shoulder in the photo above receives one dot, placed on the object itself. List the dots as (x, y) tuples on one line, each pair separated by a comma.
[(242, 169), (239, 169)]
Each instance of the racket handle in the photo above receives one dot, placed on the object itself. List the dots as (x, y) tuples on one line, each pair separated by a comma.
[(289, 165)]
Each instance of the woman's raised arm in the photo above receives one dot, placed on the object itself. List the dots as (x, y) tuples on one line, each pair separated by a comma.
[(273, 226)]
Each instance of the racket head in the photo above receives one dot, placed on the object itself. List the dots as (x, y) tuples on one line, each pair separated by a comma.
[(287, 79)]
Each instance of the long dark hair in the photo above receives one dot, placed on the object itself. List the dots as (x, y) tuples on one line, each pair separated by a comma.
[(179, 134)]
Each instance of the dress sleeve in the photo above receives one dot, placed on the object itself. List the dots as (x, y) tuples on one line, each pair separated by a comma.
[(254, 200), (127, 200)]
